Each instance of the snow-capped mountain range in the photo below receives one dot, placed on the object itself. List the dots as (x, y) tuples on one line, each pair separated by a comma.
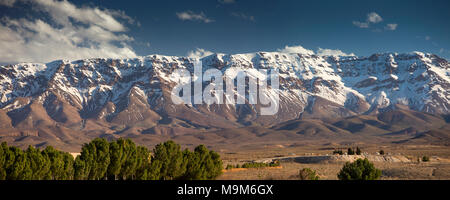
[(136, 92)]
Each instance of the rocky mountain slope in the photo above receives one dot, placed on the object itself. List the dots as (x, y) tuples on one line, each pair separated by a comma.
[(70, 101)]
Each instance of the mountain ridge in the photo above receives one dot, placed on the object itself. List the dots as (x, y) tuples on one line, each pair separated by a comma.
[(113, 96)]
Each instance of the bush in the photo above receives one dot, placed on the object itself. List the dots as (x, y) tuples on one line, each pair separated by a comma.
[(308, 174), (425, 159), (359, 170), (338, 152), (350, 151), (358, 151), (381, 152), (260, 165)]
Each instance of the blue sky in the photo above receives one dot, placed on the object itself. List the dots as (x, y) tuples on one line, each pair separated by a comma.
[(169, 27)]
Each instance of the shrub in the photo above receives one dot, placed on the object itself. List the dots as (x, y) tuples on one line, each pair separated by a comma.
[(308, 174), (350, 151), (425, 159), (381, 152), (260, 165), (359, 170), (358, 151), (339, 152)]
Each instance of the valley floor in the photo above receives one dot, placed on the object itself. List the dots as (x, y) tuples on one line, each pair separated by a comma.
[(438, 168)]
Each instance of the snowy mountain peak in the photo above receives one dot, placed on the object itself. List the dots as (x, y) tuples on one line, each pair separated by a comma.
[(311, 86)]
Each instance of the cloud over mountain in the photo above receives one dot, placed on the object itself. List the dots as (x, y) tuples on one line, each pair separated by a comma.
[(65, 31), (295, 49), (320, 51), (199, 53), (332, 52)]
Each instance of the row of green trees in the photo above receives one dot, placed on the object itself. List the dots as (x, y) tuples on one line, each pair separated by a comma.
[(350, 151), (254, 165), (34, 164), (115, 160)]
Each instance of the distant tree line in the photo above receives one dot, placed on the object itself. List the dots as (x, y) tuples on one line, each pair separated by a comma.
[(350, 151), (115, 160), (254, 165)]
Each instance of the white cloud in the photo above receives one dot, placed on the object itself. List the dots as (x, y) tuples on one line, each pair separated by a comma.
[(243, 16), (191, 16), (391, 27), (226, 1), (373, 17), (427, 38), (361, 24), (332, 52), (295, 49), (63, 11), (199, 53), (320, 51), (70, 32)]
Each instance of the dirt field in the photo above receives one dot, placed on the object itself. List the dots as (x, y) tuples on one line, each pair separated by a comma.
[(438, 168)]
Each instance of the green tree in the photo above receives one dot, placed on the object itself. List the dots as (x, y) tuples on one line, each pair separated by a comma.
[(17, 164), (359, 170), (68, 167), (358, 151), (3, 152), (142, 163), (117, 158), (203, 164), (154, 173), (350, 151), (61, 164), (167, 161), (339, 152), (229, 166), (81, 170), (308, 174), (9, 159), (93, 162), (38, 165), (128, 167)]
